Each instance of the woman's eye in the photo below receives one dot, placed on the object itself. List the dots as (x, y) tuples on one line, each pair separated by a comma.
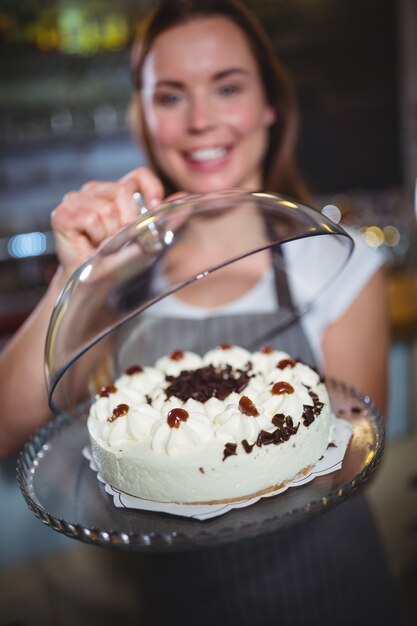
[(230, 90), (167, 99)]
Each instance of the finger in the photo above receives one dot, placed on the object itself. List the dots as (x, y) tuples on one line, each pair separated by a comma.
[(105, 209), (77, 232), (74, 220), (118, 193), (126, 202), (72, 252), (98, 187), (147, 184)]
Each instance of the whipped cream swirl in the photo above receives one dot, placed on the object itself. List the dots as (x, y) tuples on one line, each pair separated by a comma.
[(275, 385), (190, 434)]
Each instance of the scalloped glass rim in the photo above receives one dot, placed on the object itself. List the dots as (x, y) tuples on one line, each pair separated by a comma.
[(141, 245), (191, 534)]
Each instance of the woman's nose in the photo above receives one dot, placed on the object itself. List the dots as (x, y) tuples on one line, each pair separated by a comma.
[(201, 115)]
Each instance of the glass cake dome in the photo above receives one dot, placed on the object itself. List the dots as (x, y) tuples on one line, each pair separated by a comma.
[(184, 277)]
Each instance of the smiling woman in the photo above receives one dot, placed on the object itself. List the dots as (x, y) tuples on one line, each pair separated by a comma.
[(211, 91), (214, 109)]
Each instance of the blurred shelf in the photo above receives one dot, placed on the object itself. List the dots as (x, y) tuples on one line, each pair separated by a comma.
[(402, 295)]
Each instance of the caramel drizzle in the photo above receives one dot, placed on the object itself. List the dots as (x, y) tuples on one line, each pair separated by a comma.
[(282, 387), (247, 407), (106, 391), (176, 355), (134, 369), (176, 416), (284, 363), (118, 411)]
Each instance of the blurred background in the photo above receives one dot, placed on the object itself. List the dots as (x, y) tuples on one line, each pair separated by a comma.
[(64, 90), (65, 86)]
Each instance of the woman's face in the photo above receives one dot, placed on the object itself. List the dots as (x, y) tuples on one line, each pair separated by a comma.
[(205, 107)]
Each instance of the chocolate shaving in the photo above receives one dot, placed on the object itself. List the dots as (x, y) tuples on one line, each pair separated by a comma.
[(317, 404), (229, 450), (285, 429), (290, 425), (285, 434), (308, 415), (278, 420), (247, 446), (265, 438), (207, 382), (278, 436), (311, 412)]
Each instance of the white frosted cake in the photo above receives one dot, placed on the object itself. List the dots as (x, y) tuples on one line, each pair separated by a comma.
[(221, 427)]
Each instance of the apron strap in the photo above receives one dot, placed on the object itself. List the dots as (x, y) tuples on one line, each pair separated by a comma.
[(281, 279), (278, 263)]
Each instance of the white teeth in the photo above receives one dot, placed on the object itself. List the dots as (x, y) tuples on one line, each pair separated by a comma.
[(207, 154)]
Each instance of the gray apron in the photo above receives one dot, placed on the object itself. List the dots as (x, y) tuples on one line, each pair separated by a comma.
[(152, 336), (250, 331), (327, 570)]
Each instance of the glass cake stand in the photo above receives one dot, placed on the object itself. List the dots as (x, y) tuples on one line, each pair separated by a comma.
[(64, 493), (115, 312)]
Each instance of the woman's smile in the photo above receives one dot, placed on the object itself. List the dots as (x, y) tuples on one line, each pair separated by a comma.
[(208, 158)]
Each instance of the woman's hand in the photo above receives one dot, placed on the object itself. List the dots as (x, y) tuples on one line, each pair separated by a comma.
[(81, 222), (87, 217)]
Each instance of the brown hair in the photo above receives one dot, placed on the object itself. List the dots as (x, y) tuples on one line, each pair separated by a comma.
[(280, 172)]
